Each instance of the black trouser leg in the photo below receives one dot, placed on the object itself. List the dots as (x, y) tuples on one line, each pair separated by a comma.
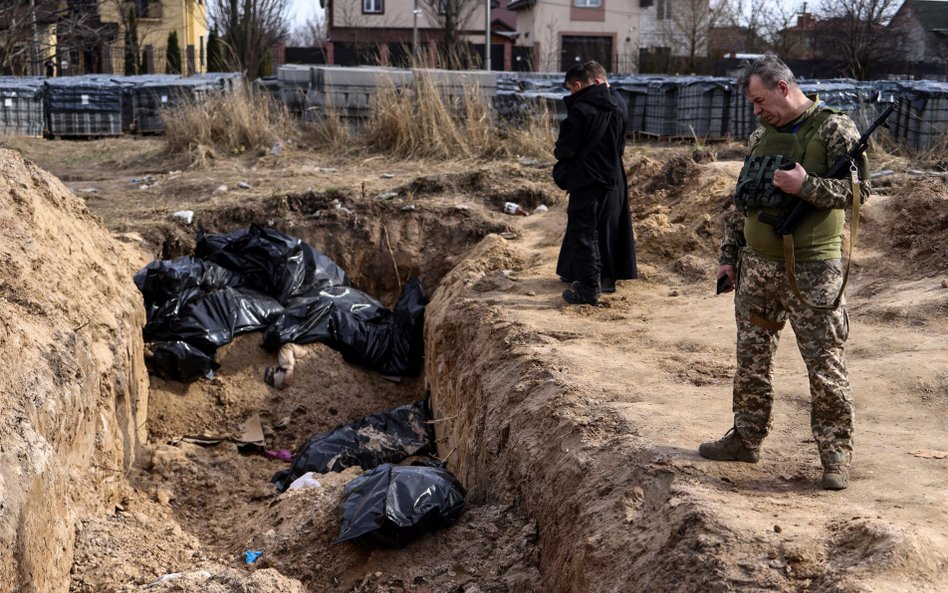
[(582, 241)]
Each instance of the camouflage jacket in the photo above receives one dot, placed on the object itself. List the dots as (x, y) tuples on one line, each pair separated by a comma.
[(839, 133)]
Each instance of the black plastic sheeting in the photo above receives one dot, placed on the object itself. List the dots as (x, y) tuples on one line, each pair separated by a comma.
[(181, 361), (391, 505), (358, 326), (259, 278), (385, 437), (273, 263)]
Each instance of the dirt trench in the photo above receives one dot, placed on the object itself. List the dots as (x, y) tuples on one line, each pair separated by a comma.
[(573, 429)]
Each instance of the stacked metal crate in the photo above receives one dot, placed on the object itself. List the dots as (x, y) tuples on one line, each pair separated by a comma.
[(544, 91), (155, 97), (741, 120), (130, 85), (84, 106), (634, 89), (703, 107), (921, 120), (21, 106), (661, 107)]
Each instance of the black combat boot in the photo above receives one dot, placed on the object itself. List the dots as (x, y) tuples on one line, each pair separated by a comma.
[(729, 448), (581, 295)]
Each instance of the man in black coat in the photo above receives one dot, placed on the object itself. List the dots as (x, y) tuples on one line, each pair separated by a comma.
[(614, 228), (588, 166)]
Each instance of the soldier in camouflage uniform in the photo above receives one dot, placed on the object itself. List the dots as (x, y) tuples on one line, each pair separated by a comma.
[(814, 137)]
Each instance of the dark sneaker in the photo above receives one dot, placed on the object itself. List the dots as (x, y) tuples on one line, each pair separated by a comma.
[(729, 448), (608, 287), (581, 295), (835, 477)]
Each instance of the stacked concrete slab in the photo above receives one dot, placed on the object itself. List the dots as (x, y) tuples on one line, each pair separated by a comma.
[(350, 91), (634, 89), (661, 108), (295, 82), (21, 106)]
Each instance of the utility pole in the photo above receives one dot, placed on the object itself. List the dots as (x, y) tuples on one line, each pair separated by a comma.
[(487, 36), (414, 32)]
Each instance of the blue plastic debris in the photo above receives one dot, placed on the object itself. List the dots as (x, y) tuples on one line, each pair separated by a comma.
[(250, 556)]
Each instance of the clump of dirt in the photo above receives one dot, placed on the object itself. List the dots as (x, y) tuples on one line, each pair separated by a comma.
[(919, 225), (674, 174)]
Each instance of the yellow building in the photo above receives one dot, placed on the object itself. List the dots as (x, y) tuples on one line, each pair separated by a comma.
[(101, 43)]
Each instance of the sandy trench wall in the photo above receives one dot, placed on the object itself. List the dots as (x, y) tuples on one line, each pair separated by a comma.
[(73, 389), (611, 515)]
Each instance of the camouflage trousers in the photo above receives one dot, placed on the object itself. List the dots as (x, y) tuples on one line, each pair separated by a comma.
[(763, 303)]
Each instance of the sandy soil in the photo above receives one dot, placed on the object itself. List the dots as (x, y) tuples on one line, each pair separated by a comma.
[(653, 363)]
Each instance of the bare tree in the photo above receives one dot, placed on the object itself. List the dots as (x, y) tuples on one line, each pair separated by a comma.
[(452, 17), (311, 33), (855, 32), (25, 34), (684, 27), (249, 29)]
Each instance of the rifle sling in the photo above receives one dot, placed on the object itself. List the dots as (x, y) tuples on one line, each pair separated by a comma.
[(790, 261)]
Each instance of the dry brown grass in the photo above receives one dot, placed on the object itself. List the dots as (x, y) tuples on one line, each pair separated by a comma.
[(235, 123), (426, 121)]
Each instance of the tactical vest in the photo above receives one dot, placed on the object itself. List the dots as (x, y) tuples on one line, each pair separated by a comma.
[(819, 236)]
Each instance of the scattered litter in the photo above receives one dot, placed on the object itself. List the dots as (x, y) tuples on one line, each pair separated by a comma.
[(282, 455), (251, 435), (462, 207), (515, 209), (882, 173), (387, 195), (527, 161), (408, 208), (277, 149), (326, 169), (175, 172), (307, 480), (385, 437), (175, 576), (143, 186), (509, 274), (147, 180), (391, 505), (183, 216), (90, 190), (251, 556), (930, 454), (345, 211), (508, 235), (540, 209), (221, 189), (243, 185), (336, 204), (387, 176)]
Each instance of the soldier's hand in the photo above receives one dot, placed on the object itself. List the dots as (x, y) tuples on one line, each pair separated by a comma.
[(791, 181), (726, 270)]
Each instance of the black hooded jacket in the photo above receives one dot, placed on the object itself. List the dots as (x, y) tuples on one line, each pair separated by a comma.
[(601, 167)]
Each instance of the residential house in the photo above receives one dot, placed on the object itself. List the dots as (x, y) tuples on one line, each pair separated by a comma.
[(90, 36), (622, 35), (921, 31), (732, 40), (384, 31)]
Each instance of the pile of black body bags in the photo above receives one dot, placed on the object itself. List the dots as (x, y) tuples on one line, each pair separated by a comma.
[(261, 279)]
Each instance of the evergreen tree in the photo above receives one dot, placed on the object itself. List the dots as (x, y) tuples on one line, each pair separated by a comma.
[(131, 44), (173, 55), (215, 57)]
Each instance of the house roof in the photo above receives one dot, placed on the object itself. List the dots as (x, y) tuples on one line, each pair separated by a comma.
[(933, 14), (521, 4)]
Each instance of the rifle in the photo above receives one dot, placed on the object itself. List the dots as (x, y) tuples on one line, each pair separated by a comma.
[(790, 218)]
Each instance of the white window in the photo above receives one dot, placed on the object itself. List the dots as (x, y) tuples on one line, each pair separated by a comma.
[(373, 6), (588, 3)]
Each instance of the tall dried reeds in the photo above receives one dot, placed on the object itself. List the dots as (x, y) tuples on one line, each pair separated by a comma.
[(426, 120), (228, 123)]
